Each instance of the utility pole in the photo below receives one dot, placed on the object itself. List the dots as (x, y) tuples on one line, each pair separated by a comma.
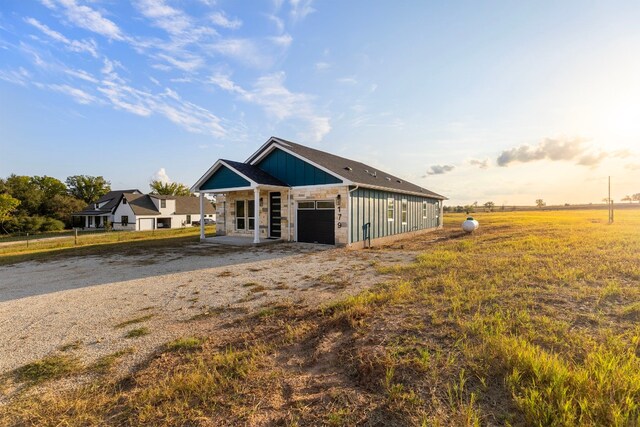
[(610, 203)]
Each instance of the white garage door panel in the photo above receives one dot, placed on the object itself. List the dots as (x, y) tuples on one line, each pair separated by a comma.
[(146, 224)]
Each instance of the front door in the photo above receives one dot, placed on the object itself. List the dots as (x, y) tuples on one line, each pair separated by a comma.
[(275, 215)]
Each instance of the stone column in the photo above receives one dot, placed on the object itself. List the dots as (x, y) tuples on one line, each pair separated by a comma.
[(201, 216)]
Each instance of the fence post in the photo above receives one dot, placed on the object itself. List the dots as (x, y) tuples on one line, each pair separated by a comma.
[(27, 239), (75, 241)]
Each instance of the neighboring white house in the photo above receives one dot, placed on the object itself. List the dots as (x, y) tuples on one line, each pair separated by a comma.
[(132, 210)]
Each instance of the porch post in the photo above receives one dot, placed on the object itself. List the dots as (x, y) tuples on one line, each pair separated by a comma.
[(201, 215), (256, 215)]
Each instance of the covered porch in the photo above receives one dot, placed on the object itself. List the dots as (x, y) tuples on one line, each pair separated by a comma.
[(253, 208)]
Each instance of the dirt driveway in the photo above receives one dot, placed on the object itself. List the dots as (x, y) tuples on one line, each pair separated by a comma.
[(87, 305)]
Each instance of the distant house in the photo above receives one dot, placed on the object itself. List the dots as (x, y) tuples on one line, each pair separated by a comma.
[(132, 210), (295, 193)]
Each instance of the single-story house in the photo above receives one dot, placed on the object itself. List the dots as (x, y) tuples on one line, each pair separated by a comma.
[(132, 210), (295, 193)]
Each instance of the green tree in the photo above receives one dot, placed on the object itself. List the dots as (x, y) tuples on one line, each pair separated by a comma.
[(88, 188), (636, 197), (7, 206), (490, 206), (627, 198), (540, 203), (62, 206), (25, 189), (169, 189)]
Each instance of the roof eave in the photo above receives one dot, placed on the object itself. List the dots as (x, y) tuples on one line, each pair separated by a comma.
[(429, 195)]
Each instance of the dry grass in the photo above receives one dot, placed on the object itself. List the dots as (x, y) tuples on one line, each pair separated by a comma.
[(532, 320), (95, 244)]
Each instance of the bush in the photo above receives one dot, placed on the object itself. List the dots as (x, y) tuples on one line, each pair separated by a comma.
[(51, 224), (32, 224)]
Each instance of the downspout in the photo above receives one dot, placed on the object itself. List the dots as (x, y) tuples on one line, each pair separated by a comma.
[(349, 212)]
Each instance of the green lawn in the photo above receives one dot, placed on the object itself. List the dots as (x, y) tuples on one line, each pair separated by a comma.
[(95, 243)]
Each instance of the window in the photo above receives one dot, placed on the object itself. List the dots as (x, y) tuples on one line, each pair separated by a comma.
[(124, 220), (325, 204), (240, 215), (124, 201), (188, 219), (424, 210), (403, 214), (390, 209), (306, 205), (163, 203), (245, 211)]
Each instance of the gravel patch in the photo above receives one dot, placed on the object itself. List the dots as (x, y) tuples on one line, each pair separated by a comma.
[(87, 306)]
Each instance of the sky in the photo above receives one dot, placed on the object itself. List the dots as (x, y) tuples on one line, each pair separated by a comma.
[(478, 101)]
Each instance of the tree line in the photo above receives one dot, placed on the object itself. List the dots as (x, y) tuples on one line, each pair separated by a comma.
[(34, 204)]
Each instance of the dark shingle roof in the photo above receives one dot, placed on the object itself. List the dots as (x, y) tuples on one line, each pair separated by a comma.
[(254, 173), (141, 204), (112, 198), (354, 171), (191, 205)]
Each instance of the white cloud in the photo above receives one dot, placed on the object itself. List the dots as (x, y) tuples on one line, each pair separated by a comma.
[(482, 164), (348, 80), (87, 18), (245, 51), (279, 102), (284, 40), (189, 63), (81, 74), (220, 19), (20, 76), (161, 175), (321, 66), (440, 169), (300, 9), (88, 46), (78, 95), (172, 20)]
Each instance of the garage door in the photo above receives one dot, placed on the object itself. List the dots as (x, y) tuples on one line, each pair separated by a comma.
[(316, 222), (146, 224)]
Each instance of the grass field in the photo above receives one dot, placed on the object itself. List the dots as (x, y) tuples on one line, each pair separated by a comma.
[(532, 320), (95, 243)]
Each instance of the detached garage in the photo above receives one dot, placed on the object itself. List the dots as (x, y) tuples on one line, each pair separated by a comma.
[(286, 191)]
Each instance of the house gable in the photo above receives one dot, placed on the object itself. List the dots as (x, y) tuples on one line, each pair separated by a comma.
[(224, 177), (294, 171)]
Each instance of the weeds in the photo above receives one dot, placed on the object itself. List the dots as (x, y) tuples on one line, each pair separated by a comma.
[(138, 332), (133, 321), (50, 367)]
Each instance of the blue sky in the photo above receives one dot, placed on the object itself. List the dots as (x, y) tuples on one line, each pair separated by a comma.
[(501, 101)]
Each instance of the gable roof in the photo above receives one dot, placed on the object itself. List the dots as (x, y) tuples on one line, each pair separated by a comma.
[(112, 198), (254, 173), (141, 204), (191, 205), (350, 170)]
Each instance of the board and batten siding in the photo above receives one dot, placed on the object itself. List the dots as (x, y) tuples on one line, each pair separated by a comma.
[(293, 171), (370, 206)]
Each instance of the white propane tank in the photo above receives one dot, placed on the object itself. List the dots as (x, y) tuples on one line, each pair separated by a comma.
[(470, 225)]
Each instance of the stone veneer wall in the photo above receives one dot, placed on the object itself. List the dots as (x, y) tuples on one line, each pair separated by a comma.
[(328, 193), (226, 213), (226, 205)]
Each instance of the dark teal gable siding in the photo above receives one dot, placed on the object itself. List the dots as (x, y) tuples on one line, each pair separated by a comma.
[(371, 206), (293, 171), (224, 178)]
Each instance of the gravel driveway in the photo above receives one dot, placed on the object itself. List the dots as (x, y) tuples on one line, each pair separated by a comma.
[(82, 302)]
